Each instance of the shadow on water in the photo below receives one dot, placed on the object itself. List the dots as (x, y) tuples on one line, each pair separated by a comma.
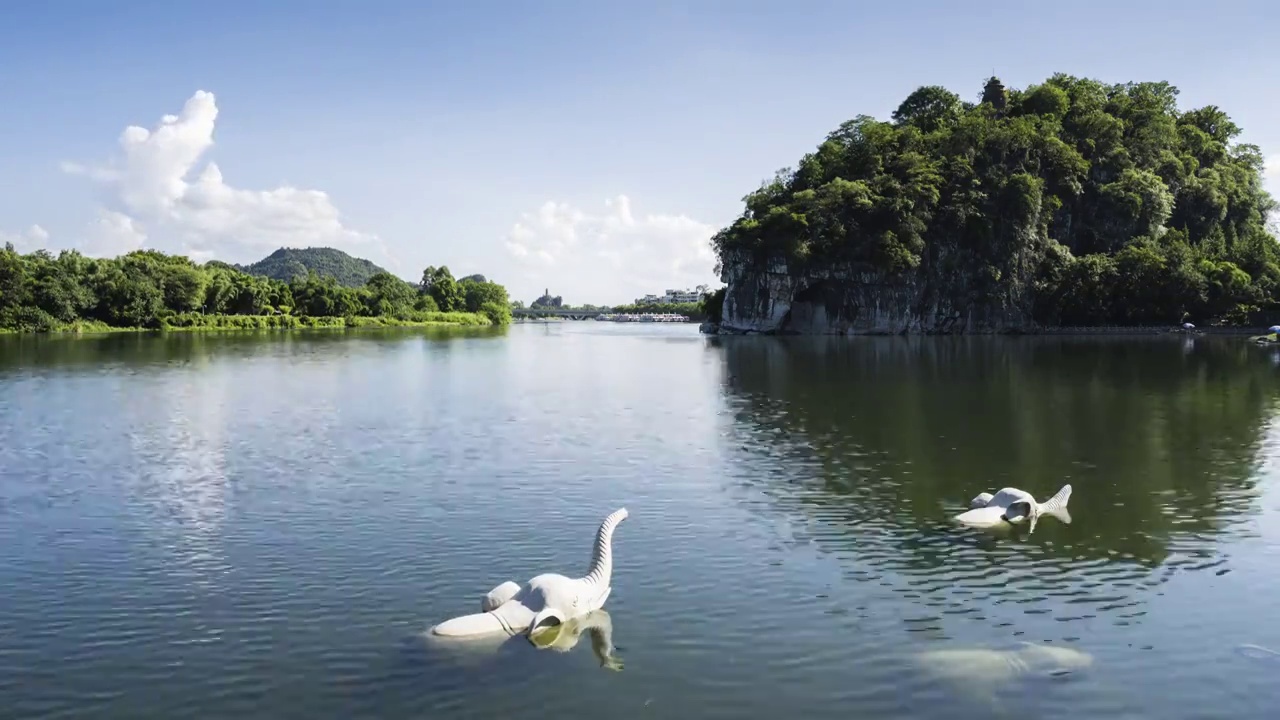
[(415, 673), (493, 650), (137, 349), (870, 445)]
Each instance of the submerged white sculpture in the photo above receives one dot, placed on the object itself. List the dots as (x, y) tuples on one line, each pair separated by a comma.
[(1257, 652), (1011, 506), (547, 599), (986, 666), (983, 673)]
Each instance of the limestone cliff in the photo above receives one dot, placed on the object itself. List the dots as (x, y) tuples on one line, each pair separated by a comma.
[(1069, 203), (770, 298)]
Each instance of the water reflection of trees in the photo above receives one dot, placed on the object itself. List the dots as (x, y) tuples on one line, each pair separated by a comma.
[(878, 441), (37, 353)]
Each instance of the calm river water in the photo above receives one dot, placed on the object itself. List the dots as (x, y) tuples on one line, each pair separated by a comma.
[(264, 526)]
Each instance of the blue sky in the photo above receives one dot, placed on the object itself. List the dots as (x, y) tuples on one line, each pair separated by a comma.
[(585, 147)]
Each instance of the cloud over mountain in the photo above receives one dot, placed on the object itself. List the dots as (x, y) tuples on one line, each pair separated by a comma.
[(158, 195)]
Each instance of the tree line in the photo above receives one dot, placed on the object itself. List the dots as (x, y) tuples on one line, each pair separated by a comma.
[(706, 308), (41, 292)]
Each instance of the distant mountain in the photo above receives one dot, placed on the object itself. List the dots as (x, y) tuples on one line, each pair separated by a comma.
[(288, 263)]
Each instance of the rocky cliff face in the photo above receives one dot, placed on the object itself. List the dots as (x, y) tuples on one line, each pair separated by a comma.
[(769, 297)]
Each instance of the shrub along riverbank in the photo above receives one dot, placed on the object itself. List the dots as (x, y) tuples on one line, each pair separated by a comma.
[(149, 290)]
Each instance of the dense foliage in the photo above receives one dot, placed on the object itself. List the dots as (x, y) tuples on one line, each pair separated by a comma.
[(1090, 203), (296, 263), (711, 305), (691, 310), (148, 289)]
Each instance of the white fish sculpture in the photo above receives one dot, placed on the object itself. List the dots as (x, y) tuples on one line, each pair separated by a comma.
[(547, 599), (1011, 506)]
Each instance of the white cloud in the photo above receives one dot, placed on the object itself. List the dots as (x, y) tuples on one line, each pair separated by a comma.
[(613, 256), (30, 240), (112, 233), (156, 195)]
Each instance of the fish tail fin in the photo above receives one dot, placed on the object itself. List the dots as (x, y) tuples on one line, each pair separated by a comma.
[(1057, 505)]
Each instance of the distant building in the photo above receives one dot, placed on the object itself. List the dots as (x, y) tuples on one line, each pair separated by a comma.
[(671, 297), (682, 296)]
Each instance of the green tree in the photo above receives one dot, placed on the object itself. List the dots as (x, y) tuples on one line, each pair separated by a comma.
[(389, 295), (1084, 202), (478, 293), (57, 286), (712, 305), (498, 313), (13, 283), (929, 108), (443, 289)]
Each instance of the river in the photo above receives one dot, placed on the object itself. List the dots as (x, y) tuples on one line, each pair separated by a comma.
[(265, 525)]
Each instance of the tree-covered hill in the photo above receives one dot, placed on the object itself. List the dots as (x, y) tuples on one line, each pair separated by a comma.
[(1070, 202), (289, 263)]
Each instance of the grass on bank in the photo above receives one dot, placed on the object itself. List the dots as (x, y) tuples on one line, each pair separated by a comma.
[(197, 322)]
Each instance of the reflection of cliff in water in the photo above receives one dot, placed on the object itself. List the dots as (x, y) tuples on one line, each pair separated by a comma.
[(879, 441)]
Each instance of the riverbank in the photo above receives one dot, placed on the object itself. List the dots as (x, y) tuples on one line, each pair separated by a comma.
[(194, 322)]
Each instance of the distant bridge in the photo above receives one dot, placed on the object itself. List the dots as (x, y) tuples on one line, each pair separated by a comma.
[(556, 312)]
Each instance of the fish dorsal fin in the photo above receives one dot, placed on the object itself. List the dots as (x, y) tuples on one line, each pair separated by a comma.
[(1005, 496)]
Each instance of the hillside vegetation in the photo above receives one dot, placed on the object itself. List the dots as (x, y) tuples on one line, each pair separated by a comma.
[(40, 292), (1088, 203), (289, 263)]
